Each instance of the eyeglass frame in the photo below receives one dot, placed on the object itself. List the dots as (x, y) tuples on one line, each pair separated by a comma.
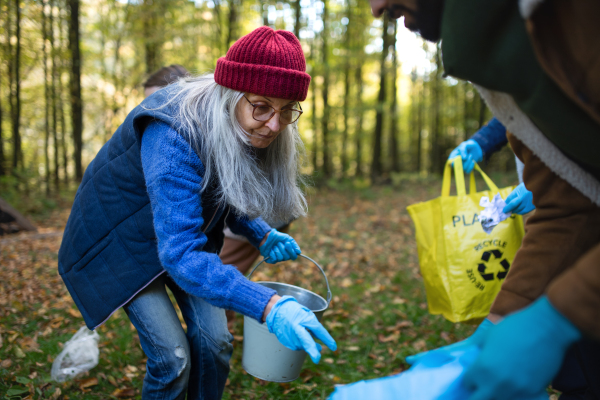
[(274, 111)]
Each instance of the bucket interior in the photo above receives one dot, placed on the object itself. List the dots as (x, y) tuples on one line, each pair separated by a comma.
[(308, 299)]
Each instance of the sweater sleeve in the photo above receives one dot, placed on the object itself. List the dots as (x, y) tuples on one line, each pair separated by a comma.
[(491, 138), (253, 229), (173, 174)]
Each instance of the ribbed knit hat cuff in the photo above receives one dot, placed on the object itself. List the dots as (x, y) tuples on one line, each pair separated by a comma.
[(264, 80)]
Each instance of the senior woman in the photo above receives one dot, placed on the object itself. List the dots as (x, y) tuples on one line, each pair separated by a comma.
[(150, 211)]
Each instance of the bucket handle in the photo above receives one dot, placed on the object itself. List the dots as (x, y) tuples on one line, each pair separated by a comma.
[(309, 259)]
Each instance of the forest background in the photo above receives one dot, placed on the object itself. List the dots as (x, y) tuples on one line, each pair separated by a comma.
[(378, 108), (379, 113)]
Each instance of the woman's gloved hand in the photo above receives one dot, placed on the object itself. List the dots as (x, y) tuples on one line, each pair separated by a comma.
[(447, 351), (279, 247), (293, 323), (519, 201), (521, 354), (470, 151)]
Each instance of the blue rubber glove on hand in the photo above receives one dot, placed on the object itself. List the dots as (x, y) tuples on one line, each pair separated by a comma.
[(519, 201), (292, 323), (452, 349), (521, 354), (470, 151), (279, 247)]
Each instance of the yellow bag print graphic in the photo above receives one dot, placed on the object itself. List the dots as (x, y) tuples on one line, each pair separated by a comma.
[(462, 266)]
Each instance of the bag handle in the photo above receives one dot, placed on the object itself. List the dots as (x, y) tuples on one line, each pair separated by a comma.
[(488, 181), (459, 176), (460, 179)]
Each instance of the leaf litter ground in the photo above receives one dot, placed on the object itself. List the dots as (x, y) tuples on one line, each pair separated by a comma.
[(363, 238)]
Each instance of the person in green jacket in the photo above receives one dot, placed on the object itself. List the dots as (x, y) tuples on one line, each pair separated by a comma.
[(535, 63)]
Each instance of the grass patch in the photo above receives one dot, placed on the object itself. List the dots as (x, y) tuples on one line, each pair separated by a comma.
[(364, 239)]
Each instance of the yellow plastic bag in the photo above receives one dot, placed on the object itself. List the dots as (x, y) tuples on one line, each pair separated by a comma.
[(462, 266)]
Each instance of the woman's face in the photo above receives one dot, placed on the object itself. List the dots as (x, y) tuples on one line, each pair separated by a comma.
[(261, 133)]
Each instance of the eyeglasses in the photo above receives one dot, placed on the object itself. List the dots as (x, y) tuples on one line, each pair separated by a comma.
[(264, 113)]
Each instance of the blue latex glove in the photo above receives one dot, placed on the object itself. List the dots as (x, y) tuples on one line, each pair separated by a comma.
[(519, 201), (292, 323), (279, 247), (449, 351), (521, 354), (431, 378), (470, 151)]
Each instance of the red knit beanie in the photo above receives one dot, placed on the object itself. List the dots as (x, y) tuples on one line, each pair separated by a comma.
[(265, 62)]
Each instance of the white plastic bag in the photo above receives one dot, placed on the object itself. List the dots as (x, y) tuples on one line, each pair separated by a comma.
[(80, 354)]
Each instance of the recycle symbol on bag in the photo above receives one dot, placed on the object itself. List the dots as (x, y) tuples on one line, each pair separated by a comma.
[(485, 257)]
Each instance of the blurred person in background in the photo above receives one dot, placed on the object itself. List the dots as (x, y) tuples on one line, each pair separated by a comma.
[(208, 150)]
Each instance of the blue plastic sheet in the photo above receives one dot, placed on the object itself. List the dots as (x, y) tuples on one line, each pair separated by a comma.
[(434, 377)]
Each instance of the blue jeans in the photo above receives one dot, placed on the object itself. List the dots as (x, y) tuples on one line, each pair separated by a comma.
[(195, 362)]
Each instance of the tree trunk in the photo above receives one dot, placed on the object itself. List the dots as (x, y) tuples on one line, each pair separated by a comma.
[(345, 133), (232, 35), (53, 96), (325, 92), (2, 156), (437, 160), (298, 15), (393, 146), (376, 164), (358, 130), (75, 87), (46, 100), (313, 90), (16, 93), (61, 110), (8, 56), (151, 46), (420, 121)]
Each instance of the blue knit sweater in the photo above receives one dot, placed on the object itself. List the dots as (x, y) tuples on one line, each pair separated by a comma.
[(173, 173)]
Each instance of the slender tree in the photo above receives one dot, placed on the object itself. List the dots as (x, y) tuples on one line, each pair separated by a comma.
[(16, 92), (298, 15), (325, 90), (232, 31), (394, 153), (2, 156), (376, 161), (75, 87), (53, 94), (61, 111), (436, 156), (358, 130), (346, 107), (420, 125), (46, 98)]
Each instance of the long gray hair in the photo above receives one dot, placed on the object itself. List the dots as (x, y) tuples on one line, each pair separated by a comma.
[(254, 182)]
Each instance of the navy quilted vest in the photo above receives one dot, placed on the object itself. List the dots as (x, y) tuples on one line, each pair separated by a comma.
[(109, 251)]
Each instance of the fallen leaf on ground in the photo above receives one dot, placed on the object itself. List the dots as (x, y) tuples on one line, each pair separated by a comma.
[(123, 393), (89, 382), (6, 363), (392, 338), (56, 394)]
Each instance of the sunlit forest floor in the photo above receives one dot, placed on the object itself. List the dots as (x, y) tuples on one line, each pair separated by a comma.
[(364, 239)]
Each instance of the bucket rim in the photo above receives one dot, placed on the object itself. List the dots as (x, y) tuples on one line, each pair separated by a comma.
[(301, 288)]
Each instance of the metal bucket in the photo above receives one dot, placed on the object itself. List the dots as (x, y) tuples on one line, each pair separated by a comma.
[(264, 356)]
